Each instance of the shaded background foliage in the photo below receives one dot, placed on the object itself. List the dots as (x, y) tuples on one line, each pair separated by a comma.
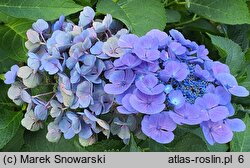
[(222, 25)]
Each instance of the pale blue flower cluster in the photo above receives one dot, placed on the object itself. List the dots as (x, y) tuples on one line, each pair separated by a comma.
[(154, 83), (70, 57)]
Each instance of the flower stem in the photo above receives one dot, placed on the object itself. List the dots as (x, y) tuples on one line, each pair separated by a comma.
[(43, 94)]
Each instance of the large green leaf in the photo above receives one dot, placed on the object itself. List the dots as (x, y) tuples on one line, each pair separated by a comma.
[(5, 18), (139, 16), (16, 143), (241, 140), (13, 37), (9, 124), (173, 16), (231, 50), (36, 9), (224, 11)]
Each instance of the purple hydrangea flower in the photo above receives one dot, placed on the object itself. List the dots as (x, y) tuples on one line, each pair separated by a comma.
[(149, 85), (175, 70), (159, 127), (209, 104), (147, 104), (127, 41), (126, 107), (230, 84), (127, 61), (121, 81), (147, 49), (221, 131), (187, 114)]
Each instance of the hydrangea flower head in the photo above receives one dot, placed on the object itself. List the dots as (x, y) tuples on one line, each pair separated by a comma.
[(149, 84)]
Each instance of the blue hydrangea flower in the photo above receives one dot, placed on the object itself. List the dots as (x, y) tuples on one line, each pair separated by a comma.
[(40, 25), (41, 112), (70, 125), (126, 107), (86, 16), (159, 127), (10, 76), (176, 98)]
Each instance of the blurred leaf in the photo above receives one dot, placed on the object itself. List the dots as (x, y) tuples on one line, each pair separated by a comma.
[(173, 16), (231, 50), (239, 34), (241, 140), (203, 25), (16, 143), (139, 16), (13, 38), (38, 9), (9, 124), (224, 11)]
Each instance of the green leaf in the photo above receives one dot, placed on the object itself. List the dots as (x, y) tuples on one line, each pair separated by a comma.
[(241, 140), (5, 102), (239, 34), (16, 143), (13, 37), (189, 143), (9, 124), (105, 145), (5, 18), (132, 146), (39, 9), (85, 2), (139, 16), (153, 146), (173, 16), (224, 11), (37, 142), (231, 50)]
